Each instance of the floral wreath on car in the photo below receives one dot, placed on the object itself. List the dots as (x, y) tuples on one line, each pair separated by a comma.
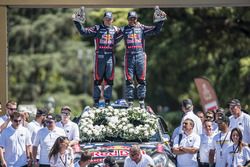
[(130, 124)]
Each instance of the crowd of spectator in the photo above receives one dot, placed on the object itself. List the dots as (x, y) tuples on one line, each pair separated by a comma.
[(42, 142), (213, 140), (204, 139)]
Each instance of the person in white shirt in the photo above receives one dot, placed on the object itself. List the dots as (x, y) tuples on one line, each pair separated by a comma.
[(186, 145), (84, 160), (206, 143), (187, 108), (37, 124), (137, 159), (238, 154), (61, 154), (221, 142), (11, 106), (239, 119), (45, 138), (71, 129), (15, 144)]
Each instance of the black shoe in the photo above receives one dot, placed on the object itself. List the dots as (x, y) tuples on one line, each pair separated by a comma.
[(96, 105), (142, 104), (130, 104), (107, 104)]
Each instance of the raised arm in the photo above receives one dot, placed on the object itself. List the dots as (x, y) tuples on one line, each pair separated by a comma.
[(79, 19), (152, 30), (159, 18), (87, 31)]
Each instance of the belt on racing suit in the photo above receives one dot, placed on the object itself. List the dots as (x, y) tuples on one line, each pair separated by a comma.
[(133, 49), (105, 50)]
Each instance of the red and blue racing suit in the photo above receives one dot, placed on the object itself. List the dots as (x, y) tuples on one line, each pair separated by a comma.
[(105, 38), (135, 57)]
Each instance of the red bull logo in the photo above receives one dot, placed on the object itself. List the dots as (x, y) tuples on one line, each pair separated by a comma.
[(133, 36), (107, 37), (114, 153)]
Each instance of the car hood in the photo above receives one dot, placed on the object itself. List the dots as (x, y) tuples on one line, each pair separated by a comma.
[(120, 150)]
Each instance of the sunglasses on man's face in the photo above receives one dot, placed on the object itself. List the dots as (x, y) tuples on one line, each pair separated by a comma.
[(12, 109), (17, 120), (48, 122), (65, 113)]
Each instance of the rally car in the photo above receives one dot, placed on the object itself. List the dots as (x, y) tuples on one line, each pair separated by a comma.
[(117, 146)]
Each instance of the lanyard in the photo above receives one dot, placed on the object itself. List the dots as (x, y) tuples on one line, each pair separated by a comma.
[(235, 150), (64, 162), (221, 144)]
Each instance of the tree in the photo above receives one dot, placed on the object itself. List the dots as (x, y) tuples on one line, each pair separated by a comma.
[(212, 42)]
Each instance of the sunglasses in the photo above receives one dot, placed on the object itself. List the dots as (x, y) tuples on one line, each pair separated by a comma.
[(209, 117), (65, 113), (132, 18), (17, 120), (12, 109), (49, 122), (232, 107)]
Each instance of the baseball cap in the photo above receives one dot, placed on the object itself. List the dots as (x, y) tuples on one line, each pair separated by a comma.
[(50, 117), (234, 102), (132, 14), (108, 15), (220, 110), (66, 108), (41, 111), (223, 118), (187, 103)]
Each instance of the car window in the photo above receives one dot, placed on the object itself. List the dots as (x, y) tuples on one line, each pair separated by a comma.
[(163, 125)]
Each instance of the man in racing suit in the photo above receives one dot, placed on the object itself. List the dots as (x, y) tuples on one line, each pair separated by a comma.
[(105, 38), (135, 57)]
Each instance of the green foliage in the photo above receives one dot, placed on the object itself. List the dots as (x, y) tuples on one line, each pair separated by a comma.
[(208, 42), (48, 57)]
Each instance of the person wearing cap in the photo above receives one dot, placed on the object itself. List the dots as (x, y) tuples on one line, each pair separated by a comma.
[(221, 142), (45, 138), (71, 129), (105, 37), (186, 145), (239, 119), (15, 144), (37, 124), (187, 107), (135, 57), (136, 158)]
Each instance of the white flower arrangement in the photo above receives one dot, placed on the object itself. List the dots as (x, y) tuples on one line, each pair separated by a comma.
[(130, 124)]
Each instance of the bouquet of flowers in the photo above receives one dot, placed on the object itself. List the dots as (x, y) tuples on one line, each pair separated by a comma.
[(129, 124)]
